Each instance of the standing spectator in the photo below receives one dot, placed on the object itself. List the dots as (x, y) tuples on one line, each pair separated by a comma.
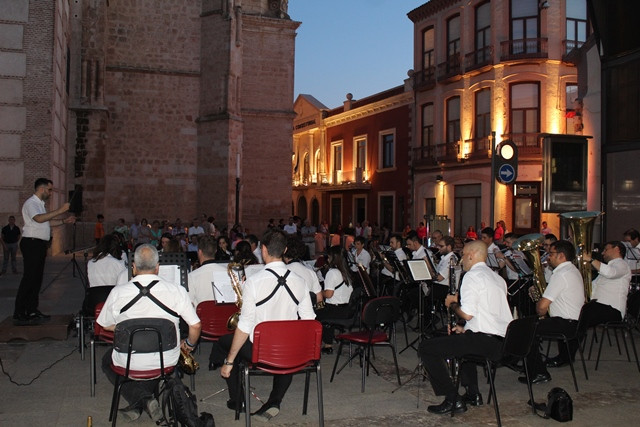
[(545, 228), (156, 233), (122, 229), (422, 231), (9, 238), (499, 231), (195, 229), (471, 233), (290, 228), (144, 234), (35, 240), (98, 231), (366, 230), (308, 237), (272, 224)]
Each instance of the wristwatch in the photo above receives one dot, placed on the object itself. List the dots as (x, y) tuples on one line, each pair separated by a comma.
[(226, 362)]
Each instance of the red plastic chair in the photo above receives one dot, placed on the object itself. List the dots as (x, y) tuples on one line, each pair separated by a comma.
[(213, 318), (285, 347), (99, 336), (378, 317)]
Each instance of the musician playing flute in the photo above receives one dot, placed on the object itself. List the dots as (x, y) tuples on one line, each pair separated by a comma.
[(562, 300), (483, 305)]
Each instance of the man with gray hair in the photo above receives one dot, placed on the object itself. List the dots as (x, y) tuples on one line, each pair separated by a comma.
[(146, 295)]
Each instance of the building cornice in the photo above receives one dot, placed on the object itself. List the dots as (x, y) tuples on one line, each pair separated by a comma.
[(370, 109), (430, 8)]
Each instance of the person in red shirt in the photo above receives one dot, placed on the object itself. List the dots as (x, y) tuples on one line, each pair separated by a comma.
[(422, 231), (98, 232), (471, 233)]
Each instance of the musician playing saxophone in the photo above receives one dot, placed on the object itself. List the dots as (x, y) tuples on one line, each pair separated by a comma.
[(562, 300), (274, 293)]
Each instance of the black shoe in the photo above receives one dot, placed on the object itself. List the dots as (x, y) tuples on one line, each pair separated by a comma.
[(538, 379), (447, 407), (472, 399), (41, 315), (556, 362), (26, 320), (231, 404), (327, 350), (266, 412)]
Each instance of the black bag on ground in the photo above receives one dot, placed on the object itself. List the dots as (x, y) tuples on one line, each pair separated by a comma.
[(559, 405), (179, 406)]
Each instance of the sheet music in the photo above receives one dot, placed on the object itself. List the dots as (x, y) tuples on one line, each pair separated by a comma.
[(170, 273), (222, 289), (492, 261), (418, 269), (518, 258)]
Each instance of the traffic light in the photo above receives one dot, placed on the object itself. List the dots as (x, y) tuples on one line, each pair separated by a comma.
[(506, 162)]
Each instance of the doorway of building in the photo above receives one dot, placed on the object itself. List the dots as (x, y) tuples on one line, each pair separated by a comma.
[(526, 208), (467, 208), (302, 208), (315, 212)]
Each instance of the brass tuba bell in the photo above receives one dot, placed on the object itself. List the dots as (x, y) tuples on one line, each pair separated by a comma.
[(528, 245), (187, 363), (581, 226)]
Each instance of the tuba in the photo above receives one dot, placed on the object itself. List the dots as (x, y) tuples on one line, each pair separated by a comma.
[(232, 322), (581, 226), (187, 363), (528, 245)]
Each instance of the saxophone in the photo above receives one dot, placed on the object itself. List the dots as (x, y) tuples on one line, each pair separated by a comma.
[(187, 363), (528, 245), (232, 322)]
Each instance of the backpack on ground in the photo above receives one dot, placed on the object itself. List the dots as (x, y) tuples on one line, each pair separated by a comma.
[(559, 405), (179, 406)]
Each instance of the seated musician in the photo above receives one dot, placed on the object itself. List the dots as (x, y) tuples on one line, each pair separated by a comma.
[(337, 291), (562, 300), (293, 258), (244, 254), (484, 307), (200, 288), (487, 236), (127, 302), (273, 293), (611, 287), (360, 254), (544, 259), (107, 263), (418, 250), (391, 279), (441, 286)]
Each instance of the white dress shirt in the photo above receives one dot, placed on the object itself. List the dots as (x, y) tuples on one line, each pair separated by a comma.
[(363, 258), (281, 306), (333, 280), (37, 230), (310, 277), (483, 295), (105, 271), (611, 287), (565, 291)]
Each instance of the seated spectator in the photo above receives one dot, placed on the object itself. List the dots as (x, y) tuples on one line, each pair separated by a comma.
[(243, 254), (222, 252)]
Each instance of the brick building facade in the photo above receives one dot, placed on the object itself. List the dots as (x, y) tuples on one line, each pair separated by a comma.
[(152, 108)]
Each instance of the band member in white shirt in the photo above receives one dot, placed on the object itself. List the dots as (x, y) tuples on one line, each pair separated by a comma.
[(360, 254)]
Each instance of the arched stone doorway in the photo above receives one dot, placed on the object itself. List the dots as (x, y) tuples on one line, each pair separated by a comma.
[(302, 208), (315, 212)]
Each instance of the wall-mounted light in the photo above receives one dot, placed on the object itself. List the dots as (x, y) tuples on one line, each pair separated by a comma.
[(439, 178), (543, 4)]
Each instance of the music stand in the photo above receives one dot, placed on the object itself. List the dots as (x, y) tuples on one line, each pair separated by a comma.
[(174, 267), (419, 273)]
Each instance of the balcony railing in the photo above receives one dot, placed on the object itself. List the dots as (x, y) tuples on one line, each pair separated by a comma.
[(527, 143), (425, 79), (449, 68), (524, 49), (478, 58), (479, 147), (434, 154), (569, 45)]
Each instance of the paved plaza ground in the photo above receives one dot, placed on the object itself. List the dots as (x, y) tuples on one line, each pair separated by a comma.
[(60, 396)]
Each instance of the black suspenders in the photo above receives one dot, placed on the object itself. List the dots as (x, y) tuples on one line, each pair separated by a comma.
[(146, 292), (282, 282)]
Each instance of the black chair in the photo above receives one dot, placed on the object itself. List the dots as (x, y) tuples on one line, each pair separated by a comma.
[(517, 344), (626, 326), (355, 309), (567, 338), (93, 296), (143, 335), (378, 318)]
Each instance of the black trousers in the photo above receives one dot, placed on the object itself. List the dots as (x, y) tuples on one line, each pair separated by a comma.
[(34, 253), (595, 313), (331, 311), (435, 352), (134, 392), (547, 326), (220, 351)]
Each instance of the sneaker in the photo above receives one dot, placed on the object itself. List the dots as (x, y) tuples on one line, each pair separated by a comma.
[(130, 413), (266, 413), (152, 407)]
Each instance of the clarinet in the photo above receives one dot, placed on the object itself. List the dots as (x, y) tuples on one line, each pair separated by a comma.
[(452, 290)]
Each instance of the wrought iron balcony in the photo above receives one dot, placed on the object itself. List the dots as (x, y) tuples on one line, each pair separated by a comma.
[(478, 58), (450, 68), (527, 143), (424, 79), (524, 49)]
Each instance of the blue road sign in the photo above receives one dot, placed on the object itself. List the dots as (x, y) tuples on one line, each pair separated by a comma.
[(507, 174)]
